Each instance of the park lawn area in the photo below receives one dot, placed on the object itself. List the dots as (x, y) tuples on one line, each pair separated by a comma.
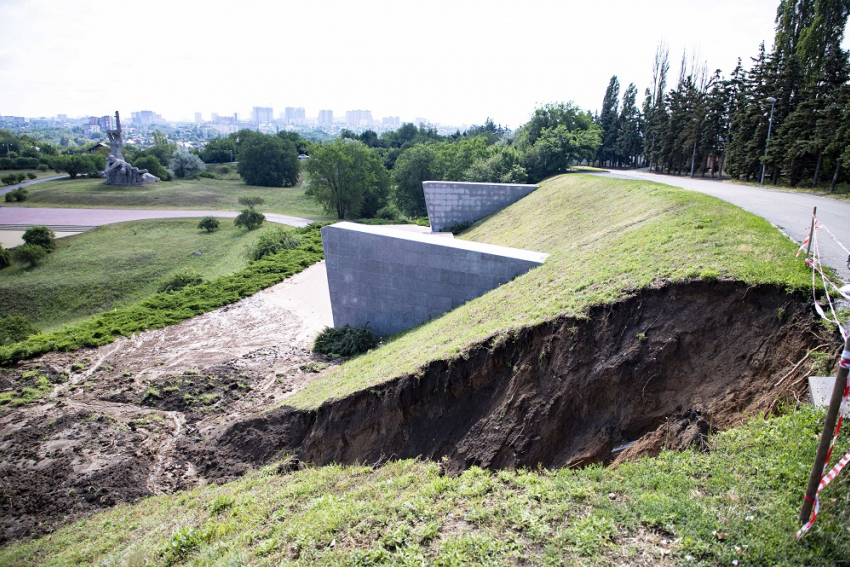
[(736, 504), (199, 194), (117, 265), (606, 238)]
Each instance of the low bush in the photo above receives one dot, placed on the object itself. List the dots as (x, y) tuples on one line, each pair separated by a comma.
[(181, 279), (210, 224), (12, 178), (250, 201), (250, 219), (272, 241), (40, 236), (29, 254), (457, 228), (43, 167), (5, 258), (7, 163), (31, 175), (390, 212), (14, 328), (19, 194), (345, 341), (206, 175)]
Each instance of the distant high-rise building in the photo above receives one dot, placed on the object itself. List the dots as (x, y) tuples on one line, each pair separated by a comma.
[(390, 121), (326, 117), (295, 115), (199, 118), (214, 117), (146, 118), (262, 114), (358, 117)]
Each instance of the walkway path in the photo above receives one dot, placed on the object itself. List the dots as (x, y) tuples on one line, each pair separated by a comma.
[(790, 212), (9, 188)]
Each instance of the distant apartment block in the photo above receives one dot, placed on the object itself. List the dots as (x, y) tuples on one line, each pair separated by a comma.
[(262, 114), (62, 117), (104, 122), (199, 118), (326, 117), (358, 117), (390, 121), (295, 115), (146, 118)]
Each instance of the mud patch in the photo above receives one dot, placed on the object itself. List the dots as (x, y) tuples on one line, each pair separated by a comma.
[(662, 368)]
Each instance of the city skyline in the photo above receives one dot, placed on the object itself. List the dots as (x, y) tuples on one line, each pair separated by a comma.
[(451, 63)]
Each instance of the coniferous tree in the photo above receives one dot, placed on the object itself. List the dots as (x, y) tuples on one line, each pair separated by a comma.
[(608, 121)]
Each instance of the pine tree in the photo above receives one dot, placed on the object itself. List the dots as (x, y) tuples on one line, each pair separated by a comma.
[(608, 121)]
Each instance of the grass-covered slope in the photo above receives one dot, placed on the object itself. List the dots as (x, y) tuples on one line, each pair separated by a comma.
[(738, 502), (116, 265), (203, 194), (167, 308), (606, 238)]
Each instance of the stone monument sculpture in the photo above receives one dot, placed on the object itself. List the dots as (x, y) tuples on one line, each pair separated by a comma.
[(118, 171)]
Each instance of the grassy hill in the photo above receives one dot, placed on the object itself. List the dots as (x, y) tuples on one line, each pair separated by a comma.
[(737, 502), (117, 265), (221, 193), (606, 239)]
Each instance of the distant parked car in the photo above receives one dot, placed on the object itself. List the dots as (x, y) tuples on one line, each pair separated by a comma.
[(303, 156)]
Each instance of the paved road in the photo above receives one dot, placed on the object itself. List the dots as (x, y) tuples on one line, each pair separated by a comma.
[(8, 188), (790, 212)]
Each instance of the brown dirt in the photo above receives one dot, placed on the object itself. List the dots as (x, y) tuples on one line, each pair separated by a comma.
[(173, 408)]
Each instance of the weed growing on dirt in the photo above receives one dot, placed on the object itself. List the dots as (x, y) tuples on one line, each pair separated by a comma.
[(345, 341), (163, 309), (606, 238), (737, 502), (32, 387)]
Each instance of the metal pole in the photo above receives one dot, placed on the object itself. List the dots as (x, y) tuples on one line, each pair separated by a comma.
[(825, 439), (772, 102), (811, 232)]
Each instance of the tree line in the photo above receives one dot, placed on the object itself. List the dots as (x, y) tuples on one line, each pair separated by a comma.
[(707, 124)]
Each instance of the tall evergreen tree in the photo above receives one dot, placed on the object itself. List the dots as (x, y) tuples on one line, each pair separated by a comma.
[(608, 121)]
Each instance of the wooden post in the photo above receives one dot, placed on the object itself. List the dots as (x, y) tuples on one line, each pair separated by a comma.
[(825, 440), (811, 232)]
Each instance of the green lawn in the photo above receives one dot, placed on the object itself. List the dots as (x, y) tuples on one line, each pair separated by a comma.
[(116, 265), (606, 238), (214, 194), (738, 502)]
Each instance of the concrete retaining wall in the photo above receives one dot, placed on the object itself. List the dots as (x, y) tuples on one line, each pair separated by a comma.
[(395, 280), (451, 202)]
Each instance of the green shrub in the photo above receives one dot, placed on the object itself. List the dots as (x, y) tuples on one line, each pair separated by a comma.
[(250, 219), (14, 328), (5, 258), (181, 279), (206, 175), (250, 202), (40, 236), (390, 212), (210, 224), (457, 228), (43, 167), (272, 241), (29, 254), (19, 194), (7, 163), (12, 178), (345, 341), (153, 165), (31, 175)]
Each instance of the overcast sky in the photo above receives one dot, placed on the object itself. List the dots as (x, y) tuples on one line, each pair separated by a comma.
[(450, 61)]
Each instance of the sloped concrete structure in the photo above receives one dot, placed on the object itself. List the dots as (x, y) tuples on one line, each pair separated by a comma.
[(394, 280), (452, 202)]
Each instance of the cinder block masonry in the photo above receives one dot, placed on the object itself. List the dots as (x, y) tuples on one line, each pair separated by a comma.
[(394, 280)]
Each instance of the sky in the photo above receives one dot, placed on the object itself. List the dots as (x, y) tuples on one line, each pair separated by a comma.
[(448, 61)]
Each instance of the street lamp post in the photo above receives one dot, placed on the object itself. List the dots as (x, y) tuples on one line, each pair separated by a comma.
[(772, 102)]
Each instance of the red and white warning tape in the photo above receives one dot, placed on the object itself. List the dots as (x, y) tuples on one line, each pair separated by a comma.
[(815, 264)]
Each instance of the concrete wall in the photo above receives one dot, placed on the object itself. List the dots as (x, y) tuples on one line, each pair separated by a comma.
[(451, 202), (395, 280)]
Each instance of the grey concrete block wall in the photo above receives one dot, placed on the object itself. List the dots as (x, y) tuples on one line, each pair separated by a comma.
[(394, 280), (451, 202)]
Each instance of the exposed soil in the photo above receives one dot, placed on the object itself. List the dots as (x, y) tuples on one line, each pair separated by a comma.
[(173, 408)]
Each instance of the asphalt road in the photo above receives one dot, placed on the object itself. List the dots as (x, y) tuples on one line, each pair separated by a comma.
[(8, 188), (790, 212)]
